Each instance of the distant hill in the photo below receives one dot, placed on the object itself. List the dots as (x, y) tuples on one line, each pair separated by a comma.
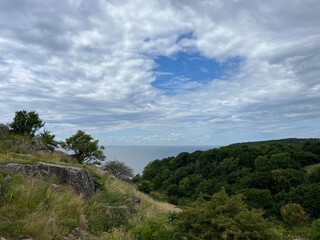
[(285, 141)]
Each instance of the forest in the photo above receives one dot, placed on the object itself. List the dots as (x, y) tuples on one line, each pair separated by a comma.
[(277, 181)]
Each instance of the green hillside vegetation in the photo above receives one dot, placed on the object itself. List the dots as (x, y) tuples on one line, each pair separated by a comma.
[(264, 190), (35, 207), (275, 181)]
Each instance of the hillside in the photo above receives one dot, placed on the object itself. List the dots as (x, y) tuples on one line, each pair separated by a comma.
[(41, 206), (269, 175), (257, 191)]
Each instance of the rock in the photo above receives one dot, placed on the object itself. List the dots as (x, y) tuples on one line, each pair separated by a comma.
[(34, 146), (136, 201), (77, 178), (7, 178), (4, 129)]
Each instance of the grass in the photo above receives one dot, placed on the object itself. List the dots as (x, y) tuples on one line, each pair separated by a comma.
[(32, 207), (312, 168)]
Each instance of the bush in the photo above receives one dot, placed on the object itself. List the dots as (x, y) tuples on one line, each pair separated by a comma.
[(315, 229), (86, 149), (223, 217), (47, 138), (119, 170), (108, 210), (293, 214), (26, 123), (145, 186), (31, 208), (154, 229)]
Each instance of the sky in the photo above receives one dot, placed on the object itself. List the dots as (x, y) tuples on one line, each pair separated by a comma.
[(163, 72)]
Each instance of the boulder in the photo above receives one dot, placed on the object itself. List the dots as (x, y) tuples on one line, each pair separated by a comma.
[(34, 146), (4, 129), (80, 180)]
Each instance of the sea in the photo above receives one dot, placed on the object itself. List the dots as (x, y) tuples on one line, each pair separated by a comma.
[(137, 157)]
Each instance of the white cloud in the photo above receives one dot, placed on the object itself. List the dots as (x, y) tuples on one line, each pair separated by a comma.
[(89, 65)]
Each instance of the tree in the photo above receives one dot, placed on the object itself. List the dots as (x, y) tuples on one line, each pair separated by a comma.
[(223, 217), (293, 214), (119, 170), (145, 186), (47, 138), (26, 123), (85, 148)]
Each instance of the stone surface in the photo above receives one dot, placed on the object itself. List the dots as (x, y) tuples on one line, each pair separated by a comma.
[(7, 178), (34, 146), (77, 178), (136, 201), (4, 129)]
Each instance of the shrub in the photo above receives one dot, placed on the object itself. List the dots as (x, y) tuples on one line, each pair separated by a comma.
[(223, 217), (154, 229), (119, 170), (293, 214), (26, 123), (145, 186), (86, 149), (108, 210)]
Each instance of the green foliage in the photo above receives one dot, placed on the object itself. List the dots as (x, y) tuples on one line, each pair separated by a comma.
[(26, 123), (315, 229), (154, 229), (259, 199), (107, 210), (47, 138), (285, 179), (30, 207), (268, 174), (293, 214), (119, 170), (314, 176), (282, 161), (86, 149), (223, 217), (308, 196), (145, 186)]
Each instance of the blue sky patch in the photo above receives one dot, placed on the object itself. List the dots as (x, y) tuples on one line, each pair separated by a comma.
[(188, 71)]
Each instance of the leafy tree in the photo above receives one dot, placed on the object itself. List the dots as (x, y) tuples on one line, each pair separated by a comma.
[(315, 229), (154, 229), (293, 214), (262, 163), (145, 186), (47, 138), (258, 198), (314, 176), (287, 178), (223, 217), (282, 160), (26, 123), (308, 196), (119, 170), (85, 148)]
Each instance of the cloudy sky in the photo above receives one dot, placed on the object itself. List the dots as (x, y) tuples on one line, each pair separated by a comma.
[(163, 72)]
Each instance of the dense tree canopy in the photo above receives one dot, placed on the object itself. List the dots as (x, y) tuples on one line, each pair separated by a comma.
[(223, 217), (26, 123), (85, 148), (268, 174)]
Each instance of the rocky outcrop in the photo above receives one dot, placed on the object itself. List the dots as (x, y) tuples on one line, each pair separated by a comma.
[(34, 146), (80, 180), (4, 129)]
